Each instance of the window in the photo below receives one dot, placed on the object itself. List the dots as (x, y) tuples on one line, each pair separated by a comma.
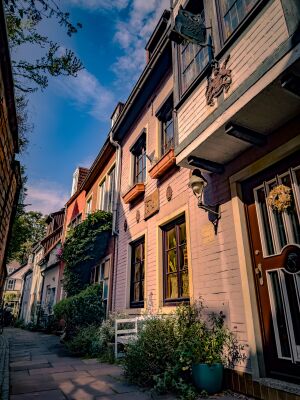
[(89, 206), (139, 153), (192, 57), (102, 196), (100, 274), (233, 12), (111, 190), (11, 284), (165, 116), (137, 273), (75, 221), (176, 277)]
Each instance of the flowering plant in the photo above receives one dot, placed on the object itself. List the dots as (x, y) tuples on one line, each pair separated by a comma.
[(280, 198)]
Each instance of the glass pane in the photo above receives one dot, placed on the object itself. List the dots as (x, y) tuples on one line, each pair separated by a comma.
[(279, 221), (172, 286), (136, 292), (105, 289), (293, 295), (292, 213), (265, 220), (280, 315), (182, 234), (106, 269), (171, 238), (172, 264), (184, 290), (137, 271), (183, 258), (138, 253)]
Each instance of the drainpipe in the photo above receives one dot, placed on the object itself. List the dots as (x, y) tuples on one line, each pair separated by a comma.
[(115, 232)]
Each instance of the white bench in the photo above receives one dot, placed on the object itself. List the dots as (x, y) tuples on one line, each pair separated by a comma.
[(123, 333)]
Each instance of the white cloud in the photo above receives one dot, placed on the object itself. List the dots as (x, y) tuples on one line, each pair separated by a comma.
[(99, 4), (46, 197), (88, 95), (132, 35)]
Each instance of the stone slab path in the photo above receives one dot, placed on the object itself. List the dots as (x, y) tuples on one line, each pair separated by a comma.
[(41, 368)]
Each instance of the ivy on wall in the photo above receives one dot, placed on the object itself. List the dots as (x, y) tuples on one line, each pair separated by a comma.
[(84, 247)]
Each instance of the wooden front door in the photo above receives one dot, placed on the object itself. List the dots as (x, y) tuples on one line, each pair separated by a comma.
[(275, 246)]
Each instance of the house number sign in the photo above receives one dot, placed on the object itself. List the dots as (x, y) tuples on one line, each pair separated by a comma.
[(151, 204)]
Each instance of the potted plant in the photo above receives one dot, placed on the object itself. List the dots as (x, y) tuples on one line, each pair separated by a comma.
[(214, 348)]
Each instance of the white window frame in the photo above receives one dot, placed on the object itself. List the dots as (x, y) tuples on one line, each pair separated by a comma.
[(89, 206), (111, 191), (11, 284), (102, 195)]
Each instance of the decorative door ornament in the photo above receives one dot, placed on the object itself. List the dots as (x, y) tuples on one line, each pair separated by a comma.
[(291, 261), (280, 198), (219, 81)]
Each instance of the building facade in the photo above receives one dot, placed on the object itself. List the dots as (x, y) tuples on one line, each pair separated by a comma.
[(10, 177), (237, 110)]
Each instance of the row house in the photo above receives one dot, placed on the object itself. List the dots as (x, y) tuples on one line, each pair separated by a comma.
[(237, 113), (10, 176)]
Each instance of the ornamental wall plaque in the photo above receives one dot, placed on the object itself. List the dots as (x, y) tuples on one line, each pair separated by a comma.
[(169, 193), (125, 225), (218, 82), (151, 204), (138, 216), (291, 261)]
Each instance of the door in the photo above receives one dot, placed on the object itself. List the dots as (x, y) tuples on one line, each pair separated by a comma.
[(275, 246)]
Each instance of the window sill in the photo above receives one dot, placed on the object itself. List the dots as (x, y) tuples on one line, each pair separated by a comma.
[(163, 165), (133, 193)]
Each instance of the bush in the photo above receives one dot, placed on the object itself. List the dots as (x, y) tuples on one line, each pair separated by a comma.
[(152, 352), (168, 346), (81, 310), (82, 343)]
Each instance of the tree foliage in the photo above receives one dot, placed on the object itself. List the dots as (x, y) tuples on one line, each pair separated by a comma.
[(28, 228), (84, 246), (23, 20)]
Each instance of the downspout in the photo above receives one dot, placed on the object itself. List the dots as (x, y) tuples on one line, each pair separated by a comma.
[(115, 233)]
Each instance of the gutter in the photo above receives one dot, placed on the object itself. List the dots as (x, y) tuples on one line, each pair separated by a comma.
[(115, 232)]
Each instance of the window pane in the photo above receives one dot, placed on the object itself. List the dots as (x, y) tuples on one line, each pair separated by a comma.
[(137, 270), (182, 234), (172, 264), (234, 12), (171, 238), (183, 259), (172, 286), (292, 213), (279, 221), (184, 290), (292, 285), (136, 295)]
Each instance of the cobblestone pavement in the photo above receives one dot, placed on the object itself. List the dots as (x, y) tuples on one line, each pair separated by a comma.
[(42, 369)]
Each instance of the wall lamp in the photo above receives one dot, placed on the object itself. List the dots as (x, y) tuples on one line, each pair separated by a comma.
[(197, 183)]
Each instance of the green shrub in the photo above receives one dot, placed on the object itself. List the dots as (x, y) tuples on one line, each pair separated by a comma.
[(168, 346), (81, 310), (152, 352), (82, 343)]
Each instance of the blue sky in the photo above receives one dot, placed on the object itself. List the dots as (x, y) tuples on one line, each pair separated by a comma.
[(71, 117)]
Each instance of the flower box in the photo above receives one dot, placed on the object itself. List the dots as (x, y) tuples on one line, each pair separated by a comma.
[(137, 190), (165, 163)]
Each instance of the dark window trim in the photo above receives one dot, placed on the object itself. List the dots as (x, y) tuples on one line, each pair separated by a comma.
[(136, 304), (139, 144), (175, 222)]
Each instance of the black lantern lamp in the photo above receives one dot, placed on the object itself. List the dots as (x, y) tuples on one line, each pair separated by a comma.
[(197, 183)]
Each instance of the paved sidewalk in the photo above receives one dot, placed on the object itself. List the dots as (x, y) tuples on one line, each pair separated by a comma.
[(42, 369)]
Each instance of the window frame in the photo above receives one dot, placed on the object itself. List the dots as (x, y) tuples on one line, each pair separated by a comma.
[(141, 302), (102, 195), (164, 110), (139, 152), (111, 192), (88, 209), (167, 227), (12, 285)]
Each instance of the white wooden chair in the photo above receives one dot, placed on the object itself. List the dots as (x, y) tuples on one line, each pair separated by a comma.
[(126, 329)]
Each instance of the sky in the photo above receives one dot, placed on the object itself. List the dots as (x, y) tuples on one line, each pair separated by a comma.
[(71, 118)]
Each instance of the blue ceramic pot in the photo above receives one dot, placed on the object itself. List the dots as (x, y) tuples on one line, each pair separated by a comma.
[(208, 377)]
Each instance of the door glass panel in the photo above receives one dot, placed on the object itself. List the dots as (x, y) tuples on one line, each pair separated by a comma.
[(279, 222), (279, 317), (292, 286), (171, 237), (261, 198), (292, 213)]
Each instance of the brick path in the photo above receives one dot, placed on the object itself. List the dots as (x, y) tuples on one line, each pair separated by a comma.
[(42, 369)]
